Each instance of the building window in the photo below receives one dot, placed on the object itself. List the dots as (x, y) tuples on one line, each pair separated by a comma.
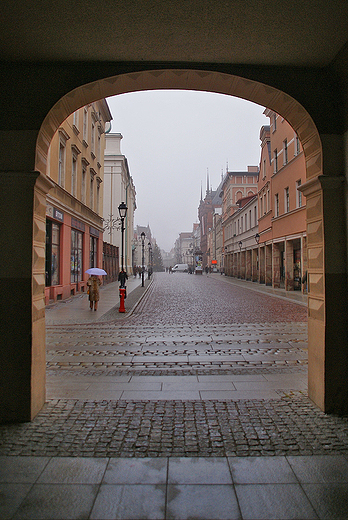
[(264, 204), (85, 124), (98, 147), (275, 161), (98, 197), (261, 205), (93, 139), (76, 120), (297, 145), (274, 122), (76, 256), (61, 164), (299, 194), (276, 204), (83, 184), (255, 215), (73, 175), (285, 151), (286, 200), (91, 199), (264, 169), (250, 225), (52, 253), (93, 252)]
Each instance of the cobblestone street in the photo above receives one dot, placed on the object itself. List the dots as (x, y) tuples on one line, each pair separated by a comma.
[(194, 405), (202, 367)]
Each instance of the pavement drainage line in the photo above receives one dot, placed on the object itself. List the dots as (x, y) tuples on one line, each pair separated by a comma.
[(161, 354), (134, 371)]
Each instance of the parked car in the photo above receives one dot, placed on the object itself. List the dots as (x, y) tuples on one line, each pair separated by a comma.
[(180, 268)]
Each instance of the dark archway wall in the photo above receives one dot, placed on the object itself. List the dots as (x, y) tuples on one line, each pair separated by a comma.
[(34, 100)]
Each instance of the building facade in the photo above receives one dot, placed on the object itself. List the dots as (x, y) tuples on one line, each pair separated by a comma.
[(265, 235), (137, 247), (118, 187), (74, 223), (237, 189), (206, 210), (281, 206), (241, 240)]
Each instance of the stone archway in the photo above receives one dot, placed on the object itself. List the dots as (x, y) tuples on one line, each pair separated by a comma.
[(319, 191)]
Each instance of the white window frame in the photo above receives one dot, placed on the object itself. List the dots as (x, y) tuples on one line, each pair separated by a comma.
[(298, 194), (73, 174), (285, 152), (275, 161), (276, 204), (61, 162), (286, 199)]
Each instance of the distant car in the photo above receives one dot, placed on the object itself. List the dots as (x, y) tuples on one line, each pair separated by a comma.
[(180, 268)]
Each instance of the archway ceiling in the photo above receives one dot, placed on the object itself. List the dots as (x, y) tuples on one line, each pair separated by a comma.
[(302, 33)]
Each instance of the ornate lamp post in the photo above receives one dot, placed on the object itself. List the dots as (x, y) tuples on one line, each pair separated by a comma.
[(150, 261), (257, 238), (142, 260), (122, 209)]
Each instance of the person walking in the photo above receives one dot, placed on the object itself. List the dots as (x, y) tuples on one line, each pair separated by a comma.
[(93, 284)]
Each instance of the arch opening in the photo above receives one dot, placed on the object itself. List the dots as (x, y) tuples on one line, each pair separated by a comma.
[(194, 80)]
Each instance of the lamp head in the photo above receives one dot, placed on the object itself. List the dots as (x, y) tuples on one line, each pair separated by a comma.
[(122, 209)]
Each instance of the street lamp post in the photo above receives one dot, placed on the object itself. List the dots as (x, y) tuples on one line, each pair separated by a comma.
[(150, 261), (142, 249), (122, 209)]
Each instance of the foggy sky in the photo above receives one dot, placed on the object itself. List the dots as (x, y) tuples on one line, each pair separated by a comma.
[(171, 139)]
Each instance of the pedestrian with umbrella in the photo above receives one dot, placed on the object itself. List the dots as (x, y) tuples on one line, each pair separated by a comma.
[(93, 284)]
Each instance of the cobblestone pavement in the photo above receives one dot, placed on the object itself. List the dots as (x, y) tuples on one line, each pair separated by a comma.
[(197, 327)]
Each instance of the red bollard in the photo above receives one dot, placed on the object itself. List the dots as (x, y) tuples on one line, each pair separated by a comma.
[(122, 297)]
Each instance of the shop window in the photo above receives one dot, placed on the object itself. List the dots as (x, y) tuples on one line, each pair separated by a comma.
[(76, 256), (52, 253)]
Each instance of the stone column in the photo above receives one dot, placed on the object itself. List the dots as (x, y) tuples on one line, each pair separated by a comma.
[(22, 278), (276, 265), (242, 264), (268, 265), (304, 263), (289, 265), (248, 265), (262, 264), (254, 265), (327, 298)]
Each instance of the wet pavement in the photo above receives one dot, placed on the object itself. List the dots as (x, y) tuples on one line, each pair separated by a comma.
[(192, 405)]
